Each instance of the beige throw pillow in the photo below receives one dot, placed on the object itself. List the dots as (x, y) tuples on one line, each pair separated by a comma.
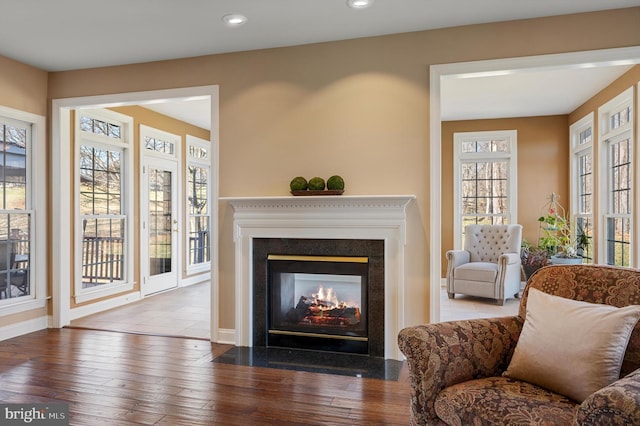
[(570, 347)]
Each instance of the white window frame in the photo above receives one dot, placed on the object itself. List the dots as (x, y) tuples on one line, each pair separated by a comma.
[(511, 156), (37, 206), (204, 163), (125, 145), (577, 151), (606, 134)]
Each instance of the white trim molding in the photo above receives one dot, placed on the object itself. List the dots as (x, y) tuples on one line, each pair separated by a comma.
[(380, 217), (25, 327)]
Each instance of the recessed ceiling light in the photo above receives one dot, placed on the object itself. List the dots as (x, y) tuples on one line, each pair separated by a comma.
[(234, 20), (359, 4)]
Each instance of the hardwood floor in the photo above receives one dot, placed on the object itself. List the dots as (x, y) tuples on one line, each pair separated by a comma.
[(119, 378), (111, 378)]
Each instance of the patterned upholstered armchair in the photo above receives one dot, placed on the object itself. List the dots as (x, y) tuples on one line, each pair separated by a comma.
[(489, 265), (456, 367)]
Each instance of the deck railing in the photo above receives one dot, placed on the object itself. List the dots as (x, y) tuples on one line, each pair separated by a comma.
[(102, 260)]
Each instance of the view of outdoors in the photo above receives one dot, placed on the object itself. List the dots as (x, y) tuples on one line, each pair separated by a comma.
[(103, 225), (15, 219), (198, 215)]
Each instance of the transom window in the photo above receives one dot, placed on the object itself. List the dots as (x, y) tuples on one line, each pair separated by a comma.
[(159, 145), (486, 179), (100, 127)]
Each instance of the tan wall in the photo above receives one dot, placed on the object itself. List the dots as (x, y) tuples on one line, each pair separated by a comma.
[(158, 121), (543, 168), (358, 108), (23, 88)]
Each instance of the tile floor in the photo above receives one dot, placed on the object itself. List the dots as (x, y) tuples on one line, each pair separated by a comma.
[(469, 307), (185, 312), (181, 312)]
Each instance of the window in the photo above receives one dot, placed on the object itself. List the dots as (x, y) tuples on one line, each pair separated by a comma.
[(103, 210), (616, 141), (582, 182), (15, 209), (485, 179), (199, 179)]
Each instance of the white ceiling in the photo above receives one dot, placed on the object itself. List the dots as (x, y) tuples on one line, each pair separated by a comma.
[(74, 34)]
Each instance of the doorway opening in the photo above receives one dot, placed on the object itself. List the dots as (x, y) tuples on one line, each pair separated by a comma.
[(64, 308)]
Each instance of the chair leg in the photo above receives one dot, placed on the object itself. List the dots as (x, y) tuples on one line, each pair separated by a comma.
[(451, 295)]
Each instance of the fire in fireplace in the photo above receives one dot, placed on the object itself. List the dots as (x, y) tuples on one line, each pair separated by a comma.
[(324, 308), (318, 302)]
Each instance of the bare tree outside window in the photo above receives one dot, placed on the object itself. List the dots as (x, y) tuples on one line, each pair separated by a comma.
[(483, 167)]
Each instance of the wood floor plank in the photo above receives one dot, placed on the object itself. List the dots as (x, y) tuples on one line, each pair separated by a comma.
[(117, 379)]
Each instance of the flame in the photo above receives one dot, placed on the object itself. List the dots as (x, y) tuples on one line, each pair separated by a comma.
[(329, 299)]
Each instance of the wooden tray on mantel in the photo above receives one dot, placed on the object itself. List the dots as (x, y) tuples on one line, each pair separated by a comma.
[(309, 192)]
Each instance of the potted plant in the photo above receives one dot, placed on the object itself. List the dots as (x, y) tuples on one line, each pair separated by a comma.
[(532, 258), (557, 236)]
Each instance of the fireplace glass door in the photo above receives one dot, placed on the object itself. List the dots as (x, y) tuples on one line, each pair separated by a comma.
[(318, 302)]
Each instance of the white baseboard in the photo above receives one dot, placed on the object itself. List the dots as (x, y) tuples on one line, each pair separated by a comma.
[(94, 308), (226, 336), (196, 279), (24, 327)]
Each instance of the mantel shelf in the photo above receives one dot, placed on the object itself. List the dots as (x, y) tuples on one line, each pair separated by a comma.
[(320, 201)]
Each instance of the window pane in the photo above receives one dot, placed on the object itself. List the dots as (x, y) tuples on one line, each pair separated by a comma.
[(198, 152), (102, 251), (100, 177), (484, 188), (160, 226), (198, 190), (618, 241), (159, 145), (15, 255), (620, 192), (100, 127), (584, 226), (13, 167), (199, 246), (585, 137)]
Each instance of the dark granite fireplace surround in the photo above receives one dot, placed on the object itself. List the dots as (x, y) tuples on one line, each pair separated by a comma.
[(372, 249)]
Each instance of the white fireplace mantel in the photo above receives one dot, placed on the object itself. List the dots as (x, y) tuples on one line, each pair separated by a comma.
[(375, 217)]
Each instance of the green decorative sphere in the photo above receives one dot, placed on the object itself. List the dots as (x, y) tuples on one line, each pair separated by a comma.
[(335, 183), (316, 184), (298, 184)]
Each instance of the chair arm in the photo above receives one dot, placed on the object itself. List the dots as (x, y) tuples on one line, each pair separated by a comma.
[(443, 354), (616, 404), (456, 258), (509, 259)]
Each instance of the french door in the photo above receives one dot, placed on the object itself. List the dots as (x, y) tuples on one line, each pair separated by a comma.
[(160, 227)]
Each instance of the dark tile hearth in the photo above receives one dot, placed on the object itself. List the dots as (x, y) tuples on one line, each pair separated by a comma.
[(313, 361)]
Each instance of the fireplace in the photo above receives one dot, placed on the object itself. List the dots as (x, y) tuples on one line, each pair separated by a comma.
[(318, 302), (319, 294), (284, 221)]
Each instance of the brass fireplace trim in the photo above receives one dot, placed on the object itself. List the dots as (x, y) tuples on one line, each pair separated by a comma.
[(322, 336), (343, 259)]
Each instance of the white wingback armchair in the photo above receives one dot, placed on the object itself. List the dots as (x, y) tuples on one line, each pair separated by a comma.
[(489, 265)]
